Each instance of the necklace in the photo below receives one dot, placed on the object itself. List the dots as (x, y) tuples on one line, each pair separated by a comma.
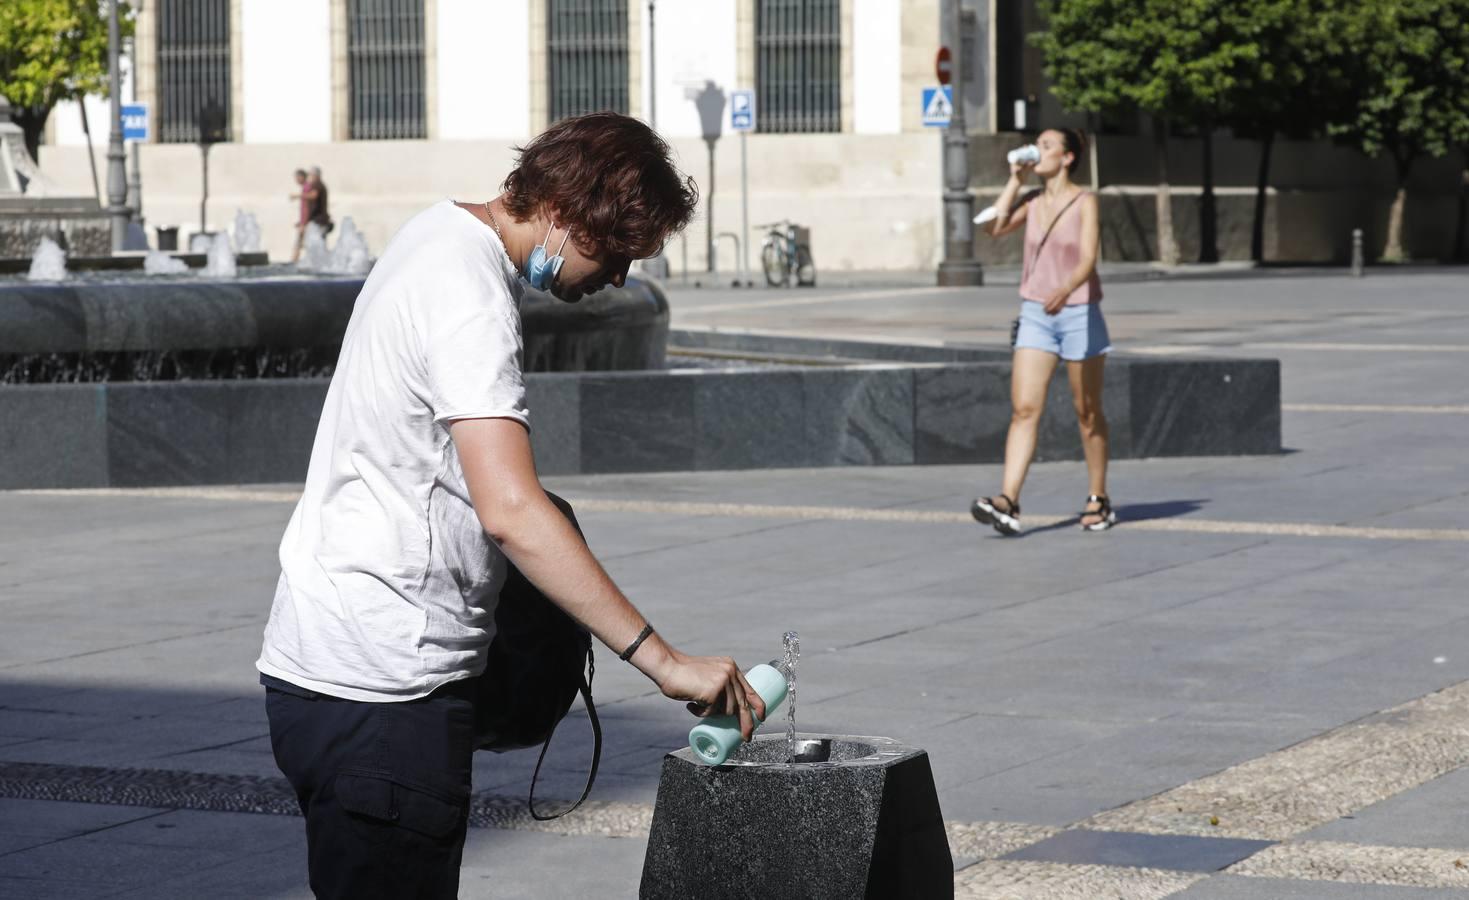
[(494, 224)]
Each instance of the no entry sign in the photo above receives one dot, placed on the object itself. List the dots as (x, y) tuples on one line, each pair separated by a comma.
[(943, 67)]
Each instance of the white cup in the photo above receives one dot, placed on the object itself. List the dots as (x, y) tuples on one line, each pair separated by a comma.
[(1030, 153)]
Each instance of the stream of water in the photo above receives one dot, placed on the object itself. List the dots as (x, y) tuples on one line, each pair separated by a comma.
[(792, 656)]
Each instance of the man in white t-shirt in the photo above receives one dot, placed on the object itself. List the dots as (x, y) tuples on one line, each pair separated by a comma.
[(422, 491)]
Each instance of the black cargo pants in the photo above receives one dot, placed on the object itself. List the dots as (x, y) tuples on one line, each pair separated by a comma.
[(384, 788)]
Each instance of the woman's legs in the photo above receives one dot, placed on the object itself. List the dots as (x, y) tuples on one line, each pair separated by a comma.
[(1086, 393), (1030, 375)]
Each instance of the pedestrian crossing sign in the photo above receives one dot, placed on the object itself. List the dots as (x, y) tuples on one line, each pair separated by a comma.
[(938, 106)]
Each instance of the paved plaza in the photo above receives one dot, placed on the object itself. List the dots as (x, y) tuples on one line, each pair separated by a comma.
[(1257, 686)]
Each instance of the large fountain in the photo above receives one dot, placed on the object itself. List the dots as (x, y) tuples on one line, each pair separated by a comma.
[(30, 209), (211, 368)]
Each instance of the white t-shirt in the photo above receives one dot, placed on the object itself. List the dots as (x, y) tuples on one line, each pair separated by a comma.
[(388, 582)]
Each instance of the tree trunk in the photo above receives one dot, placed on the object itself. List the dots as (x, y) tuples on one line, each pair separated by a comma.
[(32, 122), (1167, 246), (1393, 252), (1208, 211), (1262, 180), (1460, 253)]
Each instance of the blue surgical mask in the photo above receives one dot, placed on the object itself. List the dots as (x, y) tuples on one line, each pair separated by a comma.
[(540, 269)]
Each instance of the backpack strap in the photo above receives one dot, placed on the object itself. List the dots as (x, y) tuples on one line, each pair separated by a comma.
[(586, 693)]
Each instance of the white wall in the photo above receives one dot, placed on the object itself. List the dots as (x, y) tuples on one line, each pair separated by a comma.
[(696, 43), (877, 31), (484, 64), (286, 67), (66, 116)]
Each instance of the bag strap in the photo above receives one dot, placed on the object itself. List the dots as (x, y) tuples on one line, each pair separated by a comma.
[(1049, 228), (586, 693)]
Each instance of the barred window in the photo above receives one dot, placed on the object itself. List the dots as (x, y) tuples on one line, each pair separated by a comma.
[(798, 51), (385, 69), (587, 44), (193, 67)]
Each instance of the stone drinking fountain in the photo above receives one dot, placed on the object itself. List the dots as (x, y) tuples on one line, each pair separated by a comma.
[(803, 815), (851, 817)]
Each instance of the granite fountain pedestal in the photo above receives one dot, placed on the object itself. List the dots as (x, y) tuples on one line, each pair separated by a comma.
[(852, 817)]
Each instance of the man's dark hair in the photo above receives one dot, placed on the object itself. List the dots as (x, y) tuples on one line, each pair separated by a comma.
[(606, 177), (300, 173)]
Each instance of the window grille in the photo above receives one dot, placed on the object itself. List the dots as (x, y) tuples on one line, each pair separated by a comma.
[(385, 66), (587, 44), (798, 50), (193, 66)]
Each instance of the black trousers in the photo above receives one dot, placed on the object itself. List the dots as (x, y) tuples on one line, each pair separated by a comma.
[(384, 788)]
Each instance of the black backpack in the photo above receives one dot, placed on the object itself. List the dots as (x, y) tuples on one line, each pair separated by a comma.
[(539, 660)]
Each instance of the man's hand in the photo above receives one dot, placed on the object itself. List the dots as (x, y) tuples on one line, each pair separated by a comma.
[(713, 686), (1057, 302)]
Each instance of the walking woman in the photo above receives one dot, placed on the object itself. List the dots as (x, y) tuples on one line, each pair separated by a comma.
[(1060, 318)]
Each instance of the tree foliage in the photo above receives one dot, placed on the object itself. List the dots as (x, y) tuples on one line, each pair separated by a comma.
[(1413, 76), (53, 50), (1384, 76)]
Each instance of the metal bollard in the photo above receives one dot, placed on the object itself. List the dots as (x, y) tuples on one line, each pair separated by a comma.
[(1357, 252), (739, 257)]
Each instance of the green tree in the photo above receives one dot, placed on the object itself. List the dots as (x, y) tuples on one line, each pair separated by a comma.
[(1299, 80), (1097, 53), (1260, 66), (52, 50), (1411, 91)]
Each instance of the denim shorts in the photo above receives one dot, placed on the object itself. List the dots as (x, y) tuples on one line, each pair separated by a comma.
[(1075, 333)]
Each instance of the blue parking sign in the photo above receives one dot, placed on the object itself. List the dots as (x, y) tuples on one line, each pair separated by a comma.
[(135, 122), (938, 106), (742, 110)]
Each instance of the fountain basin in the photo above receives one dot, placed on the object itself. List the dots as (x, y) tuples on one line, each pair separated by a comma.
[(70, 322), (855, 816)]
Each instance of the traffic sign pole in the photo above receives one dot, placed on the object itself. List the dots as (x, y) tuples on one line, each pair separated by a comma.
[(742, 119)]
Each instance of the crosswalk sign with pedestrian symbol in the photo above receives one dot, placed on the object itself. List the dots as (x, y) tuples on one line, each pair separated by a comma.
[(938, 106)]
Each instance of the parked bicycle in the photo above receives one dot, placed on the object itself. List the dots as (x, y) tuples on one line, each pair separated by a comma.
[(787, 252)]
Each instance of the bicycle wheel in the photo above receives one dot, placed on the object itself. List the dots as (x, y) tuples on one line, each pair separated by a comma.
[(773, 259), (805, 267)]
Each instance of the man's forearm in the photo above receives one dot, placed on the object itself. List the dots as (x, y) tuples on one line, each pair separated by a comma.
[(547, 549)]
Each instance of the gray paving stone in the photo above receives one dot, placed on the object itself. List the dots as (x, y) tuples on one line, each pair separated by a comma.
[(54, 889), (60, 820), (1234, 887), (1153, 851), (556, 867), (279, 874), (242, 832), (1432, 815), (123, 865)]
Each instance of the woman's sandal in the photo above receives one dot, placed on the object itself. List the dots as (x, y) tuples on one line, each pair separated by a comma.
[(1005, 521), (1107, 517)]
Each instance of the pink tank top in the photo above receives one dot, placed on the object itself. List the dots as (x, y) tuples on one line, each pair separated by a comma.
[(1047, 272)]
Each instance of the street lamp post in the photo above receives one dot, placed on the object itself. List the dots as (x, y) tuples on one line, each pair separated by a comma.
[(117, 188), (710, 103), (652, 68), (959, 267)]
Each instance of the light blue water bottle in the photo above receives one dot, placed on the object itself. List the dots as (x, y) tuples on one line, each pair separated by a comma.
[(717, 737)]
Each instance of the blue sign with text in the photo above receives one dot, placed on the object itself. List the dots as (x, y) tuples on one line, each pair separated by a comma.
[(742, 110), (135, 122)]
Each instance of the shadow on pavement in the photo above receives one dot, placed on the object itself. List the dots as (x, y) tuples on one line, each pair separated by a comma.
[(1167, 509)]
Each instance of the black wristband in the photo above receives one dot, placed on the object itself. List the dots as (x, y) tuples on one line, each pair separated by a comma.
[(638, 642)]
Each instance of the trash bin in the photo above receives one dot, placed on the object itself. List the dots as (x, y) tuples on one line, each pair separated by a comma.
[(168, 238)]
